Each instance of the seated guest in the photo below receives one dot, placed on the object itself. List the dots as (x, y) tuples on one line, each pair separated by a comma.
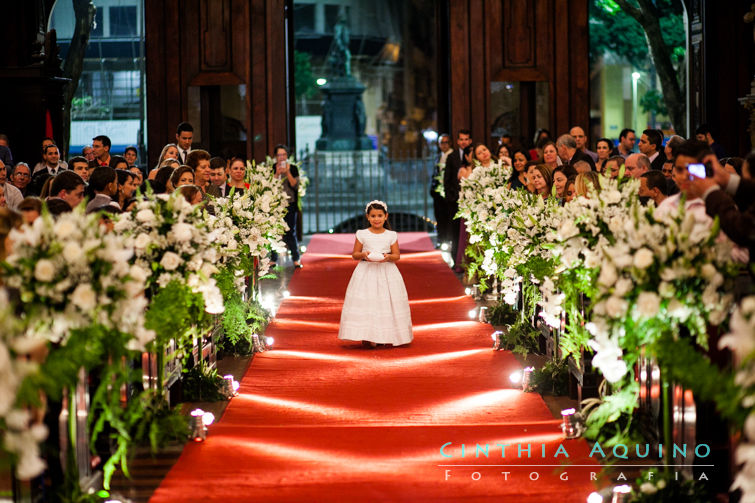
[(653, 186), (67, 186), (191, 193), (637, 165), (581, 167), (80, 166), (130, 155), (20, 177), (57, 206), (542, 181), (694, 151), (182, 176), (585, 183), (9, 220), (13, 196), (218, 175), (50, 159), (613, 166), (731, 198), (569, 153), (161, 183), (30, 208), (126, 188), (118, 162), (571, 192), (237, 174), (104, 185), (560, 176), (199, 161)]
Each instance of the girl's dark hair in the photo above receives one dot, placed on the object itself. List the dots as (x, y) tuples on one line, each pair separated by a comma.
[(159, 184), (611, 148), (189, 192), (467, 150), (123, 175), (736, 162), (177, 174), (116, 160), (567, 170), (376, 206)]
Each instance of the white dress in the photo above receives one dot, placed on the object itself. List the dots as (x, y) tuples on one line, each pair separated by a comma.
[(376, 306)]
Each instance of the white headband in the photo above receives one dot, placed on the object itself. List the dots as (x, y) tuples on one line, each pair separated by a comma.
[(375, 201)]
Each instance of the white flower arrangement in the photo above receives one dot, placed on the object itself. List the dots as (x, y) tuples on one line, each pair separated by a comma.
[(656, 276), (252, 223), (20, 437), (70, 274), (172, 241), (741, 342)]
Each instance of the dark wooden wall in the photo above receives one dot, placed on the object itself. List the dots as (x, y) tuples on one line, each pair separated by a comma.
[(210, 43), (721, 68), (518, 41)]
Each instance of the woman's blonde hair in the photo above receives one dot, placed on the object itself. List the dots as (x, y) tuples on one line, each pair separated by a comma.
[(586, 181)]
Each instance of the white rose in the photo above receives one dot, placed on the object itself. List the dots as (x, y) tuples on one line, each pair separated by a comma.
[(44, 270), (610, 365), (708, 271), (608, 276), (643, 258), (72, 253), (84, 297), (182, 232), (648, 304), (616, 307), (170, 261), (648, 488), (623, 287), (64, 228), (138, 274), (145, 216), (142, 240)]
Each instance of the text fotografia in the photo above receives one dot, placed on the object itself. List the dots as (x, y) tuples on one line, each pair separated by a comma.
[(621, 451)]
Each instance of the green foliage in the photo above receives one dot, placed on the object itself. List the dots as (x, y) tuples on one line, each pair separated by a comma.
[(202, 384), (666, 488), (552, 379), (578, 286), (240, 320), (502, 314), (304, 80), (521, 338), (609, 418), (692, 369), (614, 31), (652, 101), (175, 312)]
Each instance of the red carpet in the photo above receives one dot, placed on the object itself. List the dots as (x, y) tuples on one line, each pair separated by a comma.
[(319, 419)]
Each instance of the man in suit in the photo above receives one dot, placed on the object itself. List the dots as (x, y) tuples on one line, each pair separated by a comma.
[(440, 207), (184, 137), (651, 144), (451, 186), (51, 167), (568, 152), (218, 176)]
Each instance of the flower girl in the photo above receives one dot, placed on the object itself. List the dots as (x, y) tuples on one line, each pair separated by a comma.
[(376, 307)]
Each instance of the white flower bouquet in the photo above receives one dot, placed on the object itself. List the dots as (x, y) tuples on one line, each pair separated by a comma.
[(172, 241), (71, 273)]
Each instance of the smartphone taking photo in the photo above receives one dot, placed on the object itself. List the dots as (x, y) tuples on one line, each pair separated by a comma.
[(699, 170)]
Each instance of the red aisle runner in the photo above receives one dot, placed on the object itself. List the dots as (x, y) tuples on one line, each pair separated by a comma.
[(319, 419)]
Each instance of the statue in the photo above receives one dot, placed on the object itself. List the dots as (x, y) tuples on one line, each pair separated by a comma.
[(339, 58)]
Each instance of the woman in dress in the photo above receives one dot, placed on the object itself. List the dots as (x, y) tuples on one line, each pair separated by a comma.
[(519, 173)]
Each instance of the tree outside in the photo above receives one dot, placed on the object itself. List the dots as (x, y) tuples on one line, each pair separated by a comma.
[(650, 37)]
